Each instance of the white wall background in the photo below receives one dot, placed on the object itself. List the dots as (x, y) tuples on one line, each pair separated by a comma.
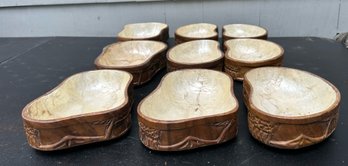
[(105, 18)]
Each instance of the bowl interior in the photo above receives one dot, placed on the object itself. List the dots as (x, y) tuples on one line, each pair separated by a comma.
[(142, 30), (200, 30), (129, 53), (194, 52), (289, 92), (243, 30), (186, 94), (252, 50), (82, 93)]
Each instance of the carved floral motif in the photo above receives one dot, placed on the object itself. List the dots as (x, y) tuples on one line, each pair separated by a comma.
[(149, 136), (264, 130), (33, 135), (261, 129)]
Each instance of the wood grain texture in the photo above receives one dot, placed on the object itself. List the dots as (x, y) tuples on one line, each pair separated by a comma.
[(150, 55), (204, 54), (303, 128), (189, 119), (243, 31), (198, 31), (144, 31), (243, 55), (47, 129)]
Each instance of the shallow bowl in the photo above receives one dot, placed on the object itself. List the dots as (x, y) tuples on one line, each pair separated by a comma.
[(290, 108), (195, 54), (245, 54), (190, 108), (197, 31), (87, 107), (142, 58), (144, 31), (239, 31)]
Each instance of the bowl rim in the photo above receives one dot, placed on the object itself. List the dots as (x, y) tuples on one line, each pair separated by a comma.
[(55, 120), (119, 35), (187, 120), (280, 55), (215, 33), (99, 65), (254, 36), (201, 63), (294, 119)]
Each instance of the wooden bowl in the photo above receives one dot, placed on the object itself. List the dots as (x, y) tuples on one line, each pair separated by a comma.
[(195, 54), (245, 54), (87, 107), (142, 58), (144, 31), (240, 31), (289, 108), (190, 108), (197, 31)]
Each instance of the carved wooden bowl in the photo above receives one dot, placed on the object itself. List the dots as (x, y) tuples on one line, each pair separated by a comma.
[(87, 107), (289, 108), (142, 58), (144, 31), (190, 108), (197, 31), (245, 54), (239, 31), (195, 54)]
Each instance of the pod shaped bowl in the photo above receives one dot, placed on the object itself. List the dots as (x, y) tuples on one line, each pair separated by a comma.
[(195, 54), (197, 31), (190, 108), (87, 107), (245, 54), (144, 31), (239, 31), (289, 108), (142, 58)]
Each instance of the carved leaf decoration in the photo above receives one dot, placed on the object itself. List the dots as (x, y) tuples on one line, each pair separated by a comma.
[(262, 129), (71, 140), (33, 135), (149, 136), (299, 141), (191, 142), (304, 140)]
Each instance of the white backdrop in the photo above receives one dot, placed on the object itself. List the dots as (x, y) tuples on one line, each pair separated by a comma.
[(27, 18)]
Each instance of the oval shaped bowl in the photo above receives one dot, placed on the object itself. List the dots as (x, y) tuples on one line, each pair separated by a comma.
[(190, 108), (197, 31), (289, 108), (87, 107), (195, 54), (142, 58), (239, 31), (144, 31), (245, 54)]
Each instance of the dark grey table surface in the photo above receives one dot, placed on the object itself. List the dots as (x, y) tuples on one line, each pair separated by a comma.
[(30, 67)]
